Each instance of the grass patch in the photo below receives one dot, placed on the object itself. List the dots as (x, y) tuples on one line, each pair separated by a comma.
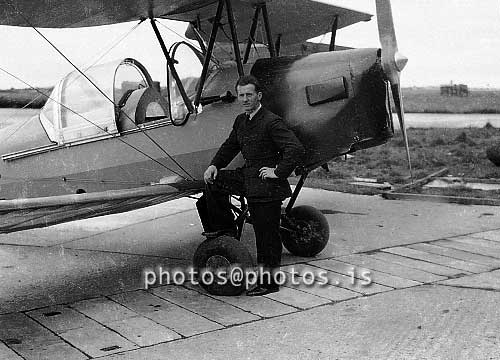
[(462, 151), (18, 98)]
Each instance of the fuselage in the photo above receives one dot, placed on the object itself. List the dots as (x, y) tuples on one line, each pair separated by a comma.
[(335, 102)]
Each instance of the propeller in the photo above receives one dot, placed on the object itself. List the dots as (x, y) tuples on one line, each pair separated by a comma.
[(393, 63)]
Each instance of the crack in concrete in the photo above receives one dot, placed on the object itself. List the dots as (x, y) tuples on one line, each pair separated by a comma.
[(470, 287)]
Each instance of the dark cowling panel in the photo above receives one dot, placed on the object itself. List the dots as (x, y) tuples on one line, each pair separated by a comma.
[(335, 102)]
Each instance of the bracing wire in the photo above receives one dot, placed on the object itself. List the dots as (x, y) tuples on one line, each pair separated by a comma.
[(179, 35)]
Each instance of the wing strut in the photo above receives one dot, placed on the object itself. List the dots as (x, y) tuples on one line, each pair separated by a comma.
[(267, 25), (171, 66), (234, 37), (208, 54), (277, 45), (334, 33), (273, 49), (251, 37)]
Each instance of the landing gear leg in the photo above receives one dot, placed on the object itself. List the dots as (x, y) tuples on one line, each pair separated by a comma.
[(304, 229)]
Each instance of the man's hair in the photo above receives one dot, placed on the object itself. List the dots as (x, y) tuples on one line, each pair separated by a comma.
[(247, 80)]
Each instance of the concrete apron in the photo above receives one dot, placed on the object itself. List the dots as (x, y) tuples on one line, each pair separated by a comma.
[(95, 268)]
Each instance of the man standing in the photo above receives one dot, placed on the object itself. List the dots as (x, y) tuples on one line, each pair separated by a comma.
[(271, 152)]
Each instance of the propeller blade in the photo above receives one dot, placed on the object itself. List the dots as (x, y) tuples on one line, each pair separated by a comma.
[(387, 37), (398, 102), (393, 63)]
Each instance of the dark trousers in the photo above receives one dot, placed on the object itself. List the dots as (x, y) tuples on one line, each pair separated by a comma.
[(215, 214)]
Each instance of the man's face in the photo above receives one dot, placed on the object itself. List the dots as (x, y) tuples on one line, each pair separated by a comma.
[(248, 97)]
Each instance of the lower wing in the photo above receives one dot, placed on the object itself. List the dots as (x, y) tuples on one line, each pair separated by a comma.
[(22, 214)]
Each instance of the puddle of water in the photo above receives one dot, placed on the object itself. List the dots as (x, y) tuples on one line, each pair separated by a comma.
[(455, 183)]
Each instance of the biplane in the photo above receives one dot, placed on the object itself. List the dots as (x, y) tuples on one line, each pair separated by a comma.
[(110, 139)]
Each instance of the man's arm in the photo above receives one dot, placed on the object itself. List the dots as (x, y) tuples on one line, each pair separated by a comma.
[(290, 147), (227, 152)]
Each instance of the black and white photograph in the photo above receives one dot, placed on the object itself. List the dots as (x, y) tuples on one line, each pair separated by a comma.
[(249, 179)]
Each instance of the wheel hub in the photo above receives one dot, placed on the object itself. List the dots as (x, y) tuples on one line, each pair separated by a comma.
[(217, 262)]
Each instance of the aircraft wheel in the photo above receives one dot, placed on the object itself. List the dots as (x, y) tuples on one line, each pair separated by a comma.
[(305, 231), (220, 260)]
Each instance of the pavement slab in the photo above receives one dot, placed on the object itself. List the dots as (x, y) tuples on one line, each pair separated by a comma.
[(143, 331), (330, 292), (489, 262), (97, 340), (469, 244), (166, 313), (297, 298), (418, 264), (129, 324), (493, 246), (103, 310), (437, 259), (210, 308), (362, 273), (60, 318), (425, 322), (32, 341), (258, 305), (348, 282), (391, 268)]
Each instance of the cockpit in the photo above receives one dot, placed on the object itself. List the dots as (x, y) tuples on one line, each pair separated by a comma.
[(115, 99), (119, 96)]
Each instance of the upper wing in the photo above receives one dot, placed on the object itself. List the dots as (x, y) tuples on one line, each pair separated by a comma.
[(295, 20), (82, 13)]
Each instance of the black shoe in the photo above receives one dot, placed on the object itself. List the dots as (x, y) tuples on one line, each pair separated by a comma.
[(261, 290)]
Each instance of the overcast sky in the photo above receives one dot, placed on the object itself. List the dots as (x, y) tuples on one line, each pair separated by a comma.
[(452, 40)]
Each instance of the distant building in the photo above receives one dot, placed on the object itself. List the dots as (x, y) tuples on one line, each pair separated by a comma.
[(455, 90)]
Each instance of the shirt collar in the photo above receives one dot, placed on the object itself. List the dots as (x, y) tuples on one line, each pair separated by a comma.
[(252, 114)]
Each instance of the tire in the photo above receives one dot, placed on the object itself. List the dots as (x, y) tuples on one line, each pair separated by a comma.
[(221, 254), (305, 231)]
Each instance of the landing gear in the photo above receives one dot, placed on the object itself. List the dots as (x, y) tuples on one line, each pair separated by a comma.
[(304, 229), (221, 263), (304, 232)]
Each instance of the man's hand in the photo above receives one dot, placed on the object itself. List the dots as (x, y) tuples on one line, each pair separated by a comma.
[(267, 173), (210, 174)]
